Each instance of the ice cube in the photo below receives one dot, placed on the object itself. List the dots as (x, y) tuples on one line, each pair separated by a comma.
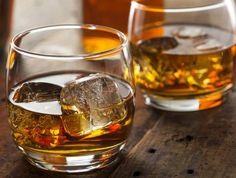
[(209, 44), (76, 124), (90, 103), (155, 45), (189, 32), (40, 92)]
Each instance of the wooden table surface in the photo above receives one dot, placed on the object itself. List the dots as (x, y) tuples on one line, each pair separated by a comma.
[(161, 145)]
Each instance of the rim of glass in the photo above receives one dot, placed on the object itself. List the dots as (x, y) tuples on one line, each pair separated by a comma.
[(121, 36), (140, 5)]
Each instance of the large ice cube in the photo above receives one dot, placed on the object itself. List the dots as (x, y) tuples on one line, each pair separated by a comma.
[(38, 97), (155, 45), (40, 92), (90, 103)]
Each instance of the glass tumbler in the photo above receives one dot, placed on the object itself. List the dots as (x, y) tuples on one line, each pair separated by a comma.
[(70, 102), (183, 52)]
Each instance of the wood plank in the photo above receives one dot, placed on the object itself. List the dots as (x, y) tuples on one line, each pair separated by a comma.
[(196, 144)]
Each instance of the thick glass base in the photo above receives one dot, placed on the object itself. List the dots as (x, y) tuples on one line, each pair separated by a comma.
[(192, 104), (72, 164)]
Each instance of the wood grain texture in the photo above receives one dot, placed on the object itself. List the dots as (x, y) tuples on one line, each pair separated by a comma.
[(196, 144)]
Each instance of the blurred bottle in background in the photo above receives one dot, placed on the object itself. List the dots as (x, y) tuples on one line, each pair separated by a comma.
[(106, 12), (6, 7), (5, 24), (111, 13)]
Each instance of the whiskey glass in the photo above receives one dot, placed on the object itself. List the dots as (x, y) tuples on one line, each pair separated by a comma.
[(70, 99), (183, 52)]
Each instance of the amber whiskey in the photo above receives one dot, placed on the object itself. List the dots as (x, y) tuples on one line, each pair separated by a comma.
[(184, 61), (69, 122)]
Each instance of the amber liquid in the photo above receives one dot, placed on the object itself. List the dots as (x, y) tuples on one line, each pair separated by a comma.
[(184, 70), (50, 131)]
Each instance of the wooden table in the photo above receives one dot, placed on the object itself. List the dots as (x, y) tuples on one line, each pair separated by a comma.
[(161, 145)]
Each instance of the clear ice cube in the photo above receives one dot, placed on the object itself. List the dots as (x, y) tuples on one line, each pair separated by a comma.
[(76, 124), (155, 45), (90, 103), (40, 92), (209, 44), (189, 32)]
